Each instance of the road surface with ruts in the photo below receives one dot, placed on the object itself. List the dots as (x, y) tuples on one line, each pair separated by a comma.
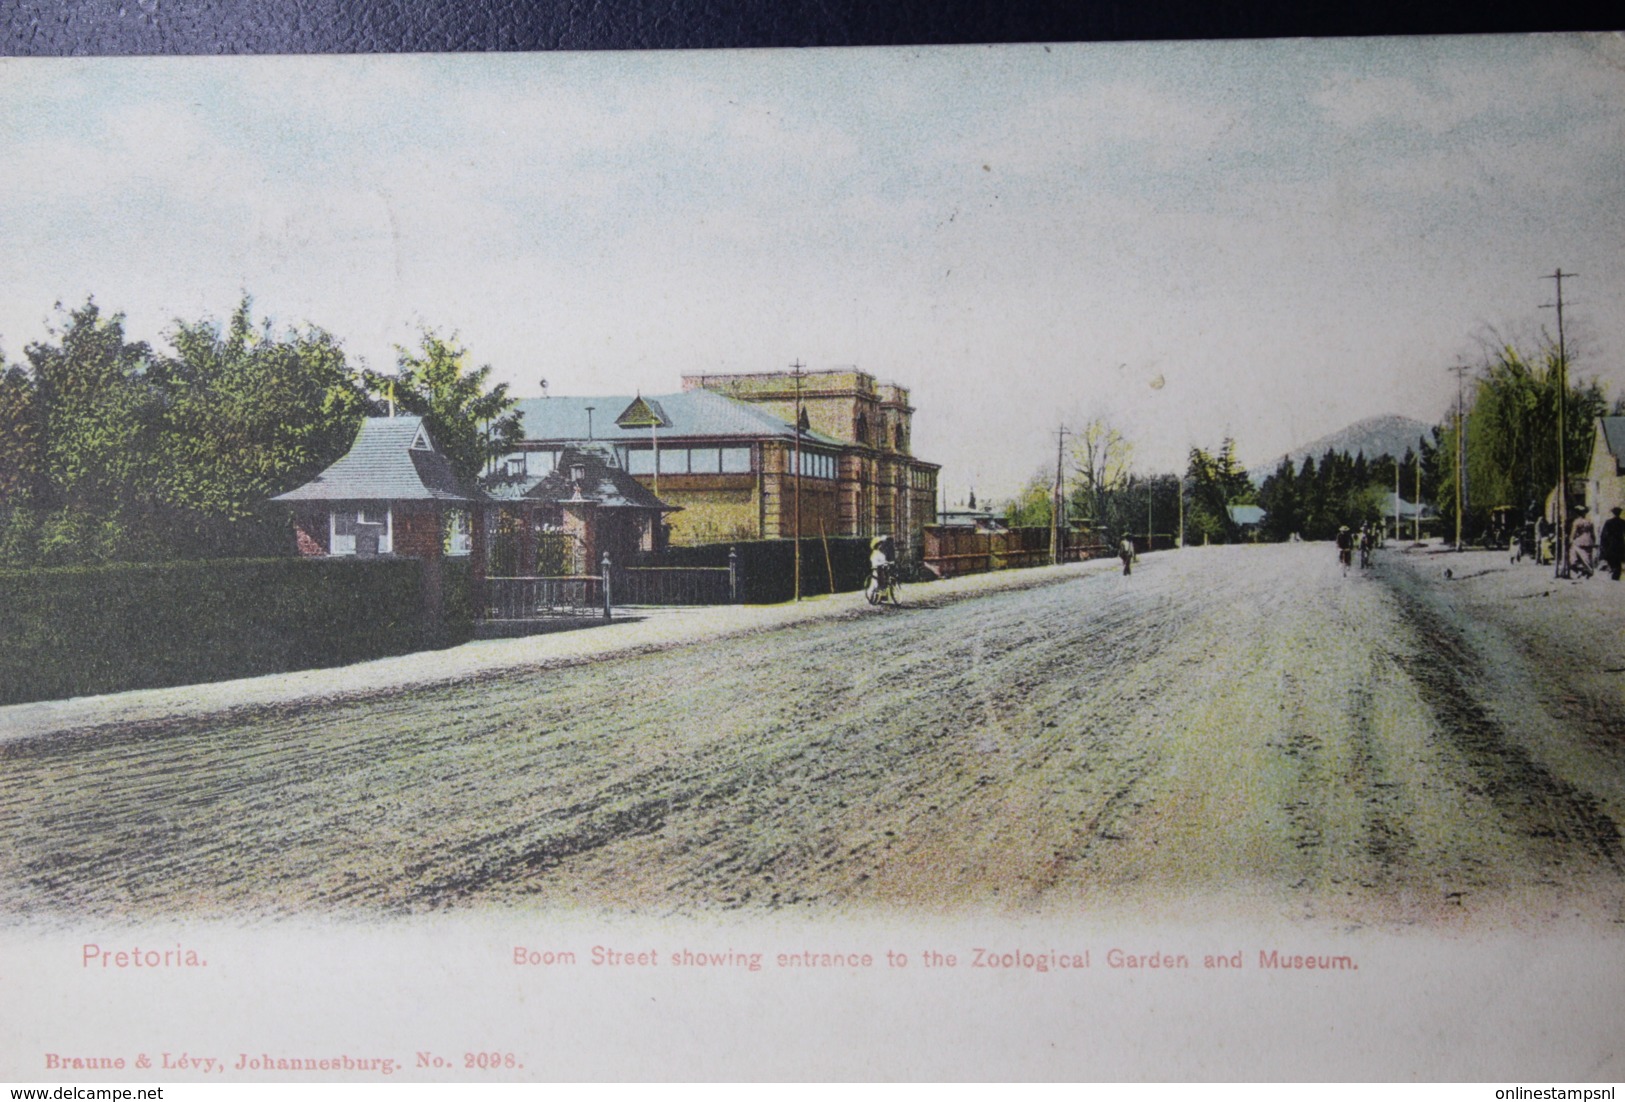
[(1239, 729)]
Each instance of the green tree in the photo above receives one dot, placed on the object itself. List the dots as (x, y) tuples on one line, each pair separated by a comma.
[(1034, 505), (20, 434), (1216, 481), (1511, 436), (469, 422), (1101, 460), (249, 415)]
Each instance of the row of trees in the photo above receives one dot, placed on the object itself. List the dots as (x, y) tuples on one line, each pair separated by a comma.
[(1510, 425), (1106, 495), (113, 450)]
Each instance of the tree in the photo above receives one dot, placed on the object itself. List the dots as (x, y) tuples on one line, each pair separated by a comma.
[(20, 460), (1216, 482), (249, 415), (468, 422), (1033, 507), (134, 455), (1101, 459), (1511, 434)]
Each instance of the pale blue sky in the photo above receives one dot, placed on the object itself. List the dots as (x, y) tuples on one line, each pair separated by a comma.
[(1285, 236)]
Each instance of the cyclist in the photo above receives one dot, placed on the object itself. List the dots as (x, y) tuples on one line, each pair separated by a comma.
[(879, 567)]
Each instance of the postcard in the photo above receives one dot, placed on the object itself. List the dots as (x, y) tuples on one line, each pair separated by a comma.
[(1022, 562)]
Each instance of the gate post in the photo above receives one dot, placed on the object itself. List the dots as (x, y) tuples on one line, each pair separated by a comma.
[(606, 585), (733, 575)]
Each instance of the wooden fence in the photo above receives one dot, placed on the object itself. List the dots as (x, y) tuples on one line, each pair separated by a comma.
[(952, 550)]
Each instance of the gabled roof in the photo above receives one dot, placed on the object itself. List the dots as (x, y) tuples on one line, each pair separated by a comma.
[(392, 459), (689, 413), (1613, 434), (601, 481), (643, 413), (1407, 511), (1245, 514)]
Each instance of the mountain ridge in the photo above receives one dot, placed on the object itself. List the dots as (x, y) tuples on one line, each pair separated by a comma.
[(1385, 434)]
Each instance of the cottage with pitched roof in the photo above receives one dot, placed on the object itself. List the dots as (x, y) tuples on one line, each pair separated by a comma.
[(565, 515), (393, 493), (1605, 478)]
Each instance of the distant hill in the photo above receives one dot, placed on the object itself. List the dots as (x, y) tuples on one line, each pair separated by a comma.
[(1389, 434)]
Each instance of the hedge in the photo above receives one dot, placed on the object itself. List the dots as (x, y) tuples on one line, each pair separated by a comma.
[(72, 631)]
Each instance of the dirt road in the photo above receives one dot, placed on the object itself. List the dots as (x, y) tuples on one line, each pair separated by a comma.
[(1233, 728)]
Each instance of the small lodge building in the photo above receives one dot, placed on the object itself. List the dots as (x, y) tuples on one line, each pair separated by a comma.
[(723, 452), (392, 493), (564, 521)]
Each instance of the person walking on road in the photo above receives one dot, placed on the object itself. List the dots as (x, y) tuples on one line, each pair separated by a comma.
[(1582, 542), (1613, 543), (1345, 549), (1125, 551)]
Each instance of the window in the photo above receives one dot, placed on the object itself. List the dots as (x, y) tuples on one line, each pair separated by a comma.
[(457, 537), (704, 461), (735, 460), (364, 531), (640, 461), (817, 465)]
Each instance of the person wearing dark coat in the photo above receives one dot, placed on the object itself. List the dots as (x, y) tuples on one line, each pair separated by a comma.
[(1612, 541)]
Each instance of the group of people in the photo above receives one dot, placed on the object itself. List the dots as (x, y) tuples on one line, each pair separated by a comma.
[(1585, 541), (1365, 540)]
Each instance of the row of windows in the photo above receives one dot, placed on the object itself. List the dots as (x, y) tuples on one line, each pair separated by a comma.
[(685, 460), (691, 460)]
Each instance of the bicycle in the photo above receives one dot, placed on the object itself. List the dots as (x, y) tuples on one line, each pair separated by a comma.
[(883, 587)]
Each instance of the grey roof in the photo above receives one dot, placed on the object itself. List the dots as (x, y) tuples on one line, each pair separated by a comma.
[(692, 413), (1407, 511), (1246, 514), (382, 465), (1613, 432), (601, 481)]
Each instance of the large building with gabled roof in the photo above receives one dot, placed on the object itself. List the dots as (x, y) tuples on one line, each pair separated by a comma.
[(723, 452)]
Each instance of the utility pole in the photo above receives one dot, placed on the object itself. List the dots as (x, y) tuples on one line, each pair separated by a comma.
[(1397, 536), (1416, 517), (1461, 446), (798, 372), (1181, 496), (1059, 502), (1561, 566)]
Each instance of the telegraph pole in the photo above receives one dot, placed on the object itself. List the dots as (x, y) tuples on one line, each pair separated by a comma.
[(1059, 502), (797, 372), (1561, 566), (1416, 517), (1461, 446)]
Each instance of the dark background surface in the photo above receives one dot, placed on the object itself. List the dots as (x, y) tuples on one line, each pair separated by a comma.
[(63, 27)]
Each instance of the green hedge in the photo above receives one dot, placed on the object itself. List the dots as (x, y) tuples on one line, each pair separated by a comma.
[(73, 631)]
